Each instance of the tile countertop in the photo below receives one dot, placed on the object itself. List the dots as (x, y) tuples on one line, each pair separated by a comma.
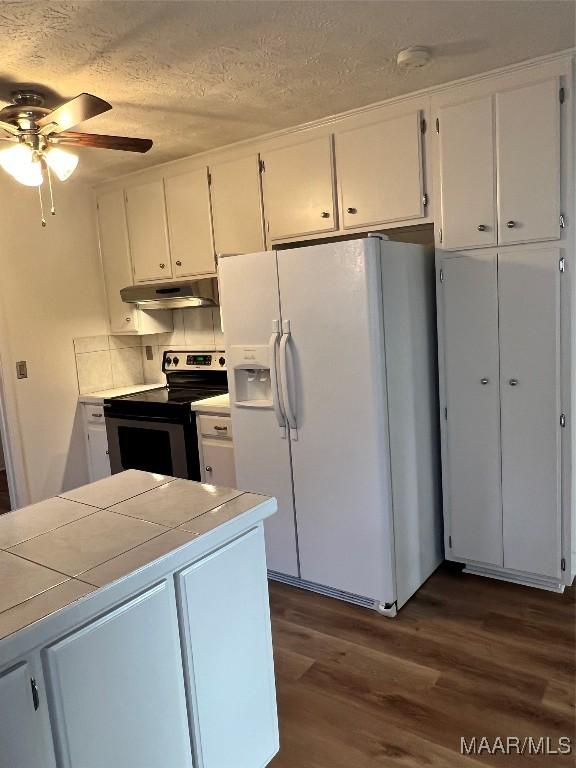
[(219, 404), (57, 551), (99, 397)]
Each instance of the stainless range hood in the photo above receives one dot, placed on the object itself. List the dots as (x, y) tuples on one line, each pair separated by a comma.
[(192, 293)]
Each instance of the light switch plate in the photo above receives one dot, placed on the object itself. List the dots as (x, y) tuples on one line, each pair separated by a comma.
[(149, 352), (21, 369)]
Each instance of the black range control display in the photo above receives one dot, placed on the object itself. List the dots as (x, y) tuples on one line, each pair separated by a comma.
[(199, 360)]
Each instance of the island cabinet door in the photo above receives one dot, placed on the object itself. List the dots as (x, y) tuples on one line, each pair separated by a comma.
[(117, 688), (23, 740), (228, 655)]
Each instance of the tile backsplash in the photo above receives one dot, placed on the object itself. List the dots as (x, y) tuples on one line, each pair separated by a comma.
[(108, 362)]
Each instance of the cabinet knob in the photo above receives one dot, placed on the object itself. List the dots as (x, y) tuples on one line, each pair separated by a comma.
[(325, 215), (107, 452), (481, 227), (484, 381), (352, 210), (162, 266), (127, 319), (513, 382), (178, 263), (208, 469), (510, 224)]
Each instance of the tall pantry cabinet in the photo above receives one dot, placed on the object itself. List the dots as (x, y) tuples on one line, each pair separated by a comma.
[(505, 288)]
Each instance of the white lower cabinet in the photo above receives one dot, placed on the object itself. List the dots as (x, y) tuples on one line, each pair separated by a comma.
[(500, 330), (172, 669), (96, 442), (228, 656), (118, 689), (216, 450), (24, 741)]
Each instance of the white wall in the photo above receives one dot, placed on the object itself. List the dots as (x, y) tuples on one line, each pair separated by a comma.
[(51, 291)]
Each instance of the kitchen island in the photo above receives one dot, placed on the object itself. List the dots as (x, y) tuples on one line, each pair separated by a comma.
[(135, 628)]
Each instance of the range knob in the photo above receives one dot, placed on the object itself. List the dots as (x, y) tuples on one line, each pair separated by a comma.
[(176, 360), (222, 360), (168, 360)]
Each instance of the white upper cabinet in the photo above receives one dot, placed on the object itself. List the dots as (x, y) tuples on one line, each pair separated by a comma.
[(116, 260), (299, 194), (379, 171), (528, 147), (190, 224), (117, 268), (467, 178), (499, 166), (148, 231), (237, 206)]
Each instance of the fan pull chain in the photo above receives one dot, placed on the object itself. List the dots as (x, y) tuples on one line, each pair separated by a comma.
[(52, 209), (41, 206)]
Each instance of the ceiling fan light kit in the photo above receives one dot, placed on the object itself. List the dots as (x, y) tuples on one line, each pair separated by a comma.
[(37, 132)]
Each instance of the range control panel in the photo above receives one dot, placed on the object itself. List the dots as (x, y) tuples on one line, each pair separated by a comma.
[(186, 360)]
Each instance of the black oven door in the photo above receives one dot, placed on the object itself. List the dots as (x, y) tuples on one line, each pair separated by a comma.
[(152, 444)]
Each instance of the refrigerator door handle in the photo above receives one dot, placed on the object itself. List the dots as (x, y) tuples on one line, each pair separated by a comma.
[(286, 397), (272, 345)]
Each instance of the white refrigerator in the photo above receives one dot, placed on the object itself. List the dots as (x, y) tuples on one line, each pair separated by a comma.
[(331, 353)]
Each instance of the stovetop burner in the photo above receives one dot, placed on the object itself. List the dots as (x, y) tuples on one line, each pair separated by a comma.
[(190, 376)]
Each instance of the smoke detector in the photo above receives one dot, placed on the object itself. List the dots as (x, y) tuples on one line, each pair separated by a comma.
[(415, 57)]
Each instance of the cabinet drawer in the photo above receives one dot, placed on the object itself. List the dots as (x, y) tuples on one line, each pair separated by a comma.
[(215, 426), (94, 413)]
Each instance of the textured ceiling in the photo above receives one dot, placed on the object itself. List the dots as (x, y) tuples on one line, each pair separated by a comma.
[(198, 75)]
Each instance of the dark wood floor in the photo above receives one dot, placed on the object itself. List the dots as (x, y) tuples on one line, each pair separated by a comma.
[(4, 497), (465, 657)]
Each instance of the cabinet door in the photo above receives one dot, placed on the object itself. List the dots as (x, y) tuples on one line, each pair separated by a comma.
[(190, 224), (218, 456), (379, 169), (237, 206), (116, 260), (22, 740), (147, 228), (467, 176), (528, 141), (472, 476), (118, 688), (299, 190), (529, 290), (99, 461), (228, 648)]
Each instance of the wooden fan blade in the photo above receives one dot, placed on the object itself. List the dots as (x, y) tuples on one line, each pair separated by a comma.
[(100, 141), (75, 111), (13, 129)]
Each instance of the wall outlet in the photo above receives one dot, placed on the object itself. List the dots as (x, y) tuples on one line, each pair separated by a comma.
[(149, 352), (21, 369)]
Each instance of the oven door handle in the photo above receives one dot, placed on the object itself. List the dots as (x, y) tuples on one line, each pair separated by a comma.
[(132, 417)]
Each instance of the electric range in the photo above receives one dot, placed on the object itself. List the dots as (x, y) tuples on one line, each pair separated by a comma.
[(155, 430)]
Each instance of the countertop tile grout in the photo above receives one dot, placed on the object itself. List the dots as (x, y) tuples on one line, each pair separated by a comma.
[(104, 509), (50, 530), (42, 591), (95, 565), (170, 526)]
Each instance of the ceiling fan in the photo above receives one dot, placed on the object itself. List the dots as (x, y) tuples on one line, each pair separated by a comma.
[(38, 136)]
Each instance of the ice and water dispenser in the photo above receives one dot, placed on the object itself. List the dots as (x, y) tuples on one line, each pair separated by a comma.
[(250, 367)]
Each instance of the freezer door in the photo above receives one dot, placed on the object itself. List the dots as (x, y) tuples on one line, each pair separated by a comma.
[(335, 372), (250, 315)]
